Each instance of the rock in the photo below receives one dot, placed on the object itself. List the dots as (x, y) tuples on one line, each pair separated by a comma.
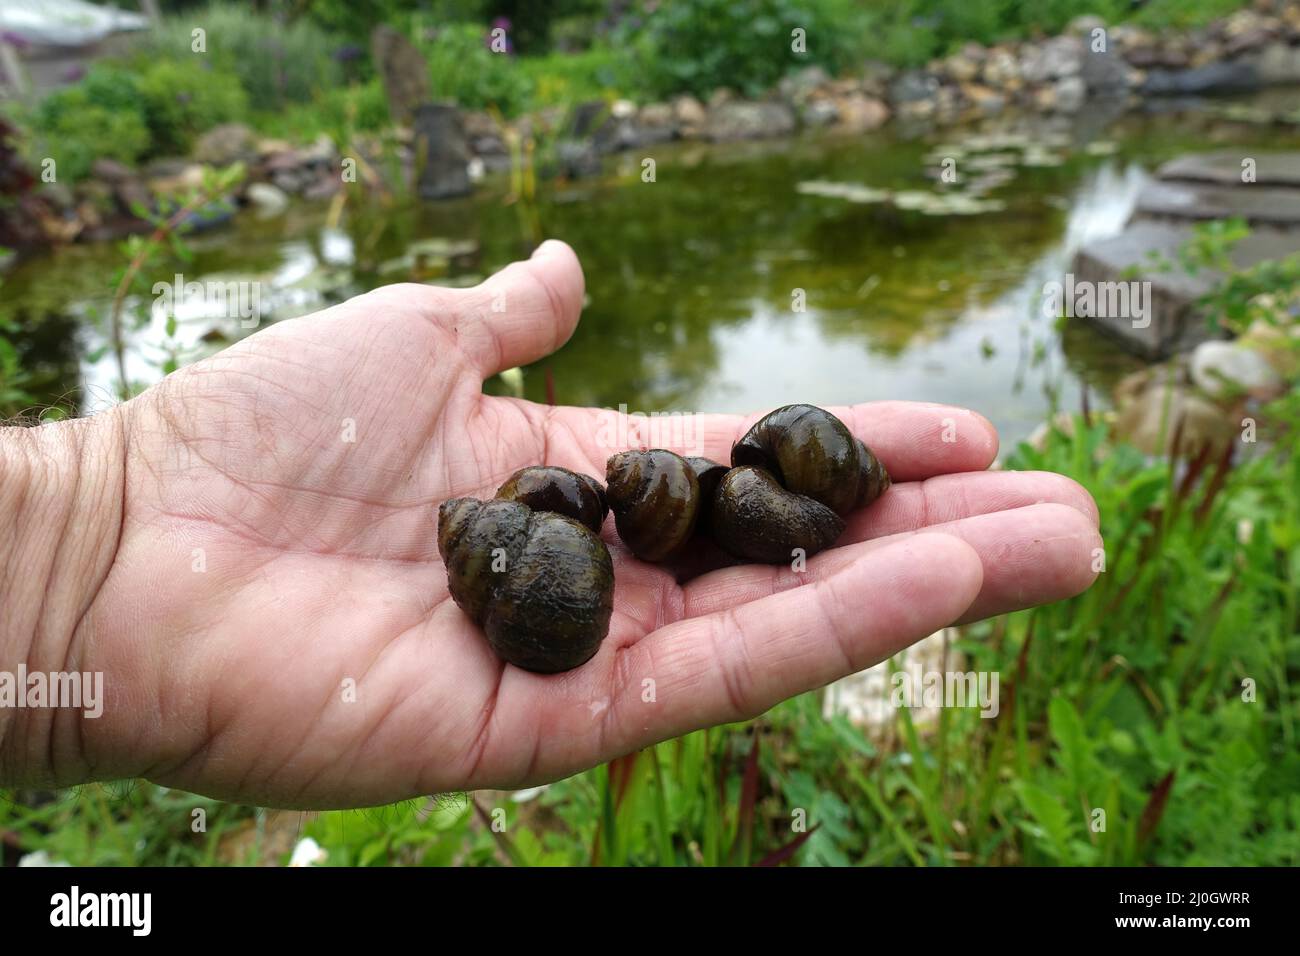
[(269, 147), (656, 116), (622, 109), (1051, 60), (965, 65), (1068, 94), (619, 134), (796, 88), (689, 114), (226, 144), (484, 134), (876, 77), (268, 199), (1218, 78), (1002, 71), (188, 178), (323, 186), (576, 158), (1105, 73), (861, 114), (914, 86), (1221, 368), (987, 102), (1151, 55), (587, 118), (1174, 321), (1163, 412), (1278, 64), (748, 120), (820, 112), (403, 71), (440, 141), (1197, 202), (1224, 168), (720, 97), (111, 171)]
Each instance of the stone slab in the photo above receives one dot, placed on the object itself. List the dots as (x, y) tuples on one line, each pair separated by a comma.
[(1176, 323), (1259, 205), (1224, 168)]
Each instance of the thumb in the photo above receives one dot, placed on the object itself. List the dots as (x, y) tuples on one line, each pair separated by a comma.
[(526, 311)]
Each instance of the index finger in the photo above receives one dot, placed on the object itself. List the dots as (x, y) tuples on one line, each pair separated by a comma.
[(914, 440)]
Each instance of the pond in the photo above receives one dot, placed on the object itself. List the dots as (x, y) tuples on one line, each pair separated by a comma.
[(744, 276)]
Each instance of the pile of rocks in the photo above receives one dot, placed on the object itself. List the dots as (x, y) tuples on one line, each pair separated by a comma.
[(117, 199), (1253, 47), (1250, 49)]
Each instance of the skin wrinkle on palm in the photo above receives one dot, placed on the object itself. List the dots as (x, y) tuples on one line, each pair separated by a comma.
[(226, 682)]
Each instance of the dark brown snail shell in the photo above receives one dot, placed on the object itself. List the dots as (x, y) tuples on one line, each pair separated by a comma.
[(811, 452), (755, 518), (797, 472), (539, 584), (655, 497), (709, 474), (564, 492)]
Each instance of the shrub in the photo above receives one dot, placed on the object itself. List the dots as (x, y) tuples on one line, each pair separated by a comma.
[(183, 98), (100, 116), (462, 68), (277, 63), (699, 45)]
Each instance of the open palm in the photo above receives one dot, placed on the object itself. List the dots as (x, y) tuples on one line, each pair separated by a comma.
[(276, 627)]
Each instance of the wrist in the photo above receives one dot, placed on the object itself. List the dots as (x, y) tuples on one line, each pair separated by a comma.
[(61, 505)]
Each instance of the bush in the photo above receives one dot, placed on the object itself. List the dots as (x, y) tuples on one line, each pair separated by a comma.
[(697, 46), (276, 63), (462, 68), (183, 98), (600, 72), (100, 116)]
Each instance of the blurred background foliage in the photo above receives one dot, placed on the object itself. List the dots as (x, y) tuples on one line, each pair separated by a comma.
[(300, 68)]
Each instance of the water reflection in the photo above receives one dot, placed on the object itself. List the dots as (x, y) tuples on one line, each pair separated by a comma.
[(720, 285)]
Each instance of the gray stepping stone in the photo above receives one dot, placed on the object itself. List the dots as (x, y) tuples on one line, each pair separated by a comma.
[(1173, 320), (1259, 205), (1224, 168)]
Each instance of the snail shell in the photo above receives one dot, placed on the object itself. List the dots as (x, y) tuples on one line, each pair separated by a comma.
[(564, 492), (709, 474), (755, 518), (655, 497), (811, 452), (539, 584)]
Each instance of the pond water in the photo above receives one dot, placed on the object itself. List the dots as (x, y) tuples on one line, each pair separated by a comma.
[(723, 285)]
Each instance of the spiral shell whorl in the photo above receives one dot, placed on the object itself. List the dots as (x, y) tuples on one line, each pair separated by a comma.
[(655, 497), (811, 452), (558, 490), (539, 584)]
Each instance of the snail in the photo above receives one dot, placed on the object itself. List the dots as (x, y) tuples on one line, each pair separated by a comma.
[(655, 497), (564, 492), (755, 518), (796, 473), (709, 474), (541, 585), (811, 452)]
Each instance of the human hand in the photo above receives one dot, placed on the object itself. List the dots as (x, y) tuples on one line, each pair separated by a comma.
[(276, 540)]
